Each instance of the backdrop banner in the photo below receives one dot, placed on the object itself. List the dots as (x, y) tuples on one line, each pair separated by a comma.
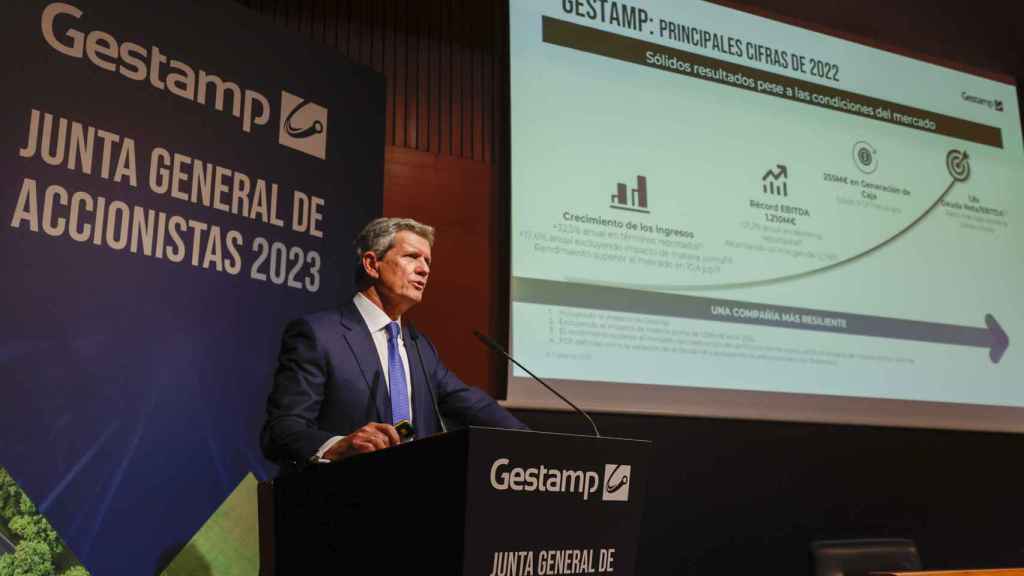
[(176, 181)]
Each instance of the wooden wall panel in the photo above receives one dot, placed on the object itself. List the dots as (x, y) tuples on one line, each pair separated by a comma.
[(444, 102), (441, 59), (454, 195)]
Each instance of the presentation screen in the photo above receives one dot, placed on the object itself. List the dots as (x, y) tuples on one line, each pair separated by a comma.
[(716, 213)]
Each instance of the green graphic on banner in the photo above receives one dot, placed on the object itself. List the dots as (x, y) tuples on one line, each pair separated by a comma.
[(29, 546), (228, 544)]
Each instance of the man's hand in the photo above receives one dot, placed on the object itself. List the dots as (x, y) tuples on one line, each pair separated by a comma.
[(373, 436)]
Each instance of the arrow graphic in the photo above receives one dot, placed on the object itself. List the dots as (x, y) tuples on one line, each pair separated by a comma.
[(776, 174), (532, 291)]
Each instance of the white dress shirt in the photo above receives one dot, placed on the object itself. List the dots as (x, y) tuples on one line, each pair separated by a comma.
[(376, 321)]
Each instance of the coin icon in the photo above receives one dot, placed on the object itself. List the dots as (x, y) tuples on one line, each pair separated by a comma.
[(865, 157)]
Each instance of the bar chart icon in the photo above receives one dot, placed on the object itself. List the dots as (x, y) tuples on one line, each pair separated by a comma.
[(774, 181), (634, 199)]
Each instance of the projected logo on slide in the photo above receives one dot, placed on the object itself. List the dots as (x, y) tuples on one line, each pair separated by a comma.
[(774, 181), (993, 103), (303, 125), (635, 201), (865, 157), (616, 482)]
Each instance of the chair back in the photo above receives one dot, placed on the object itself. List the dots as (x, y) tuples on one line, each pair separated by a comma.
[(863, 556)]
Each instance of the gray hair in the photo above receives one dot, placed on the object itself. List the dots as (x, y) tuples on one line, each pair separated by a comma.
[(379, 236)]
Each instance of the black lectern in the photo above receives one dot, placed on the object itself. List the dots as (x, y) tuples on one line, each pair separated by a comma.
[(479, 501)]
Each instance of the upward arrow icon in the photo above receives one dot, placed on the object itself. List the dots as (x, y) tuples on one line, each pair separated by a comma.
[(782, 172)]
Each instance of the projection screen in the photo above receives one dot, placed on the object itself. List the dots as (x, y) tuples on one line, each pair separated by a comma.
[(715, 213)]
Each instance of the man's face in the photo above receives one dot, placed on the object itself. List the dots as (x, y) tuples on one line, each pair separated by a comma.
[(401, 276)]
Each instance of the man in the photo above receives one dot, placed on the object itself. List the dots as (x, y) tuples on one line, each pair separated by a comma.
[(346, 376)]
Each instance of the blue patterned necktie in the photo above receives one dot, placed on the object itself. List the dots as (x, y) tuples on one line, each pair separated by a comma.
[(396, 377)]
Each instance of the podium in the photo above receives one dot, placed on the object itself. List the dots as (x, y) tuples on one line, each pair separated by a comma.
[(479, 501)]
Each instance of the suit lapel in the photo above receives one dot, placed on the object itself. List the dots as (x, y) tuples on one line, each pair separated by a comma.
[(360, 342), (423, 409)]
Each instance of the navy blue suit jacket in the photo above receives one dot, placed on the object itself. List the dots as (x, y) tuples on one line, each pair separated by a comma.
[(329, 382)]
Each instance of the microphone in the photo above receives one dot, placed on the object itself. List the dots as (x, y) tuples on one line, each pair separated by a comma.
[(426, 379), (497, 348)]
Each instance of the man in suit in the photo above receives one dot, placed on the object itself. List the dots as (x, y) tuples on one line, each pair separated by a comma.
[(345, 377)]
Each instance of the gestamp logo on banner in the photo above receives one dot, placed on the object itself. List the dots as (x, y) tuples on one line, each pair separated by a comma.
[(303, 125), (616, 482)]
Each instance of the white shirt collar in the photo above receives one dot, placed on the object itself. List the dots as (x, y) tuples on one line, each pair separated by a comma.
[(374, 317)]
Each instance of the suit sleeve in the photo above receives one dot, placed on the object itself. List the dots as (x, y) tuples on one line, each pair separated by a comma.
[(470, 406), (290, 431)]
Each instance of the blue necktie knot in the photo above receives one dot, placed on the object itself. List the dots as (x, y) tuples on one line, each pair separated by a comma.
[(393, 331)]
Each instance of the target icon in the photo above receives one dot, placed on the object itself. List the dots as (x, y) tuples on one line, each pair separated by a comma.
[(958, 165)]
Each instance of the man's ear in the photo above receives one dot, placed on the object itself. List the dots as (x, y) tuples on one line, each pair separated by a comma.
[(369, 262)]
